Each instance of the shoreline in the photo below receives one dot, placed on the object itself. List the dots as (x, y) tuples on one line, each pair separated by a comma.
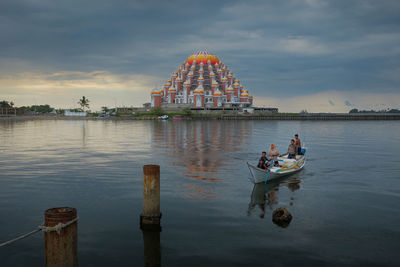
[(385, 116)]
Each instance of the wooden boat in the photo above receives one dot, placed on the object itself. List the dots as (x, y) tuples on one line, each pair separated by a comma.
[(289, 166)]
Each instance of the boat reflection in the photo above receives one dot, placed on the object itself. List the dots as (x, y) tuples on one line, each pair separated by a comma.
[(265, 196)]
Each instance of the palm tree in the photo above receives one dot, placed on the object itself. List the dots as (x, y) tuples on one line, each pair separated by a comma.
[(84, 103)]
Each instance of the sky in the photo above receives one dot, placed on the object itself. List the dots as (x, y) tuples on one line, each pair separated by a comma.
[(314, 55)]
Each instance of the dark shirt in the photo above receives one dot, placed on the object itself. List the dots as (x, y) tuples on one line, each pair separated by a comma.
[(263, 159)]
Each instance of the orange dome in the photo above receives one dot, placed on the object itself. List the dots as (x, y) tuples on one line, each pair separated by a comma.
[(172, 89), (199, 90), (202, 57), (230, 89), (217, 93), (244, 94)]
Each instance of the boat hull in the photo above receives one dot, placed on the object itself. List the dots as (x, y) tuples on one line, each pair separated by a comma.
[(290, 167)]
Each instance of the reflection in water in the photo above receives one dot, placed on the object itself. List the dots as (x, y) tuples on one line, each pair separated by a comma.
[(201, 147), (266, 195), (152, 247)]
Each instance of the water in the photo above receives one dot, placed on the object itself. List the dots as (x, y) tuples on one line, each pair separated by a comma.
[(345, 203)]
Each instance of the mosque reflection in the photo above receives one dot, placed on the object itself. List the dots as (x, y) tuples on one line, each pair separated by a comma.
[(265, 196), (201, 147)]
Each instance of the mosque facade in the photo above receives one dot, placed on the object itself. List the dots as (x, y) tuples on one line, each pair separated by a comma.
[(202, 81)]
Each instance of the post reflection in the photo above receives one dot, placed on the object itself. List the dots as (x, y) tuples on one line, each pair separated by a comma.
[(152, 247), (265, 196)]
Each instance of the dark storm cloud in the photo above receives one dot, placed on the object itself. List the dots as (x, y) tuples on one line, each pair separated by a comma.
[(291, 47)]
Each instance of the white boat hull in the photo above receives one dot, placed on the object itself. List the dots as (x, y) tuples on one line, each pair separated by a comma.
[(289, 166)]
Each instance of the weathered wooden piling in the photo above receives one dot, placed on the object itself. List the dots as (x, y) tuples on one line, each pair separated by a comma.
[(151, 214), (61, 247)]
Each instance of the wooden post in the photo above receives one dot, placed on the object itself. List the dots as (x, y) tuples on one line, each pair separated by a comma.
[(61, 248), (151, 214)]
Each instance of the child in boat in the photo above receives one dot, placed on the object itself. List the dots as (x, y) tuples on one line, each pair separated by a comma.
[(261, 164)]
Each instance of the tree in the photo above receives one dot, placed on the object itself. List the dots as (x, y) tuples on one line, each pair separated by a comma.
[(105, 109), (6, 104), (84, 103), (354, 110)]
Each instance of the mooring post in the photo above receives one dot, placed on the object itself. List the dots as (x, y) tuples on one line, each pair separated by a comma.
[(61, 247), (151, 214)]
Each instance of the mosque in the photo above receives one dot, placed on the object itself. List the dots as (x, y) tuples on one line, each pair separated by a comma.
[(202, 81)]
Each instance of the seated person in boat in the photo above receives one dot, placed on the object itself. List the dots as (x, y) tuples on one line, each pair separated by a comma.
[(298, 144), (292, 150), (264, 156), (263, 163)]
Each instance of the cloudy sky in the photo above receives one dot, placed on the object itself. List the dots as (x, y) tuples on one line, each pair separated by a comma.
[(318, 55)]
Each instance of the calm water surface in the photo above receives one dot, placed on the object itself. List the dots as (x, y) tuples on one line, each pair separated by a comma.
[(345, 203)]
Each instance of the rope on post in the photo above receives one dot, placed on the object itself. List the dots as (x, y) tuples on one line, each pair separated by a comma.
[(57, 228)]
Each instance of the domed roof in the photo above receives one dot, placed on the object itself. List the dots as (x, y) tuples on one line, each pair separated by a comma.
[(244, 94), (199, 90), (172, 89), (230, 89), (155, 92), (217, 93), (202, 57)]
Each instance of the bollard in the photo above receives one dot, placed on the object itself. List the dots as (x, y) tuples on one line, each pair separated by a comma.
[(61, 248), (151, 214), (152, 247)]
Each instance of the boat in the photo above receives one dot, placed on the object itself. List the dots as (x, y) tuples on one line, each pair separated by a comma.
[(177, 118), (289, 166), (163, 117)]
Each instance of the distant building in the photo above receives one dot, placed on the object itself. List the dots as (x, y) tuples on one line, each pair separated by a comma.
[(67, 112), (202, 81)]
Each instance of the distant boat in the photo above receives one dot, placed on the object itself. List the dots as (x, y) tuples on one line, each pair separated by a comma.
[(163, 117), (289, 166), (177, 118)]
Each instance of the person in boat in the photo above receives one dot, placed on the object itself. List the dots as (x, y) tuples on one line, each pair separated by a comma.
[(273, 154), (292, 150), (263, 163), (298, 144), (264, 156)]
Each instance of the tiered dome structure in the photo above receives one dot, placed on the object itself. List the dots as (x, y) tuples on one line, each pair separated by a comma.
[(202, 80)]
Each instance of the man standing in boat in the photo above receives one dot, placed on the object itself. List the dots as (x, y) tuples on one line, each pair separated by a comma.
[(298, 144), (292, 150)]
